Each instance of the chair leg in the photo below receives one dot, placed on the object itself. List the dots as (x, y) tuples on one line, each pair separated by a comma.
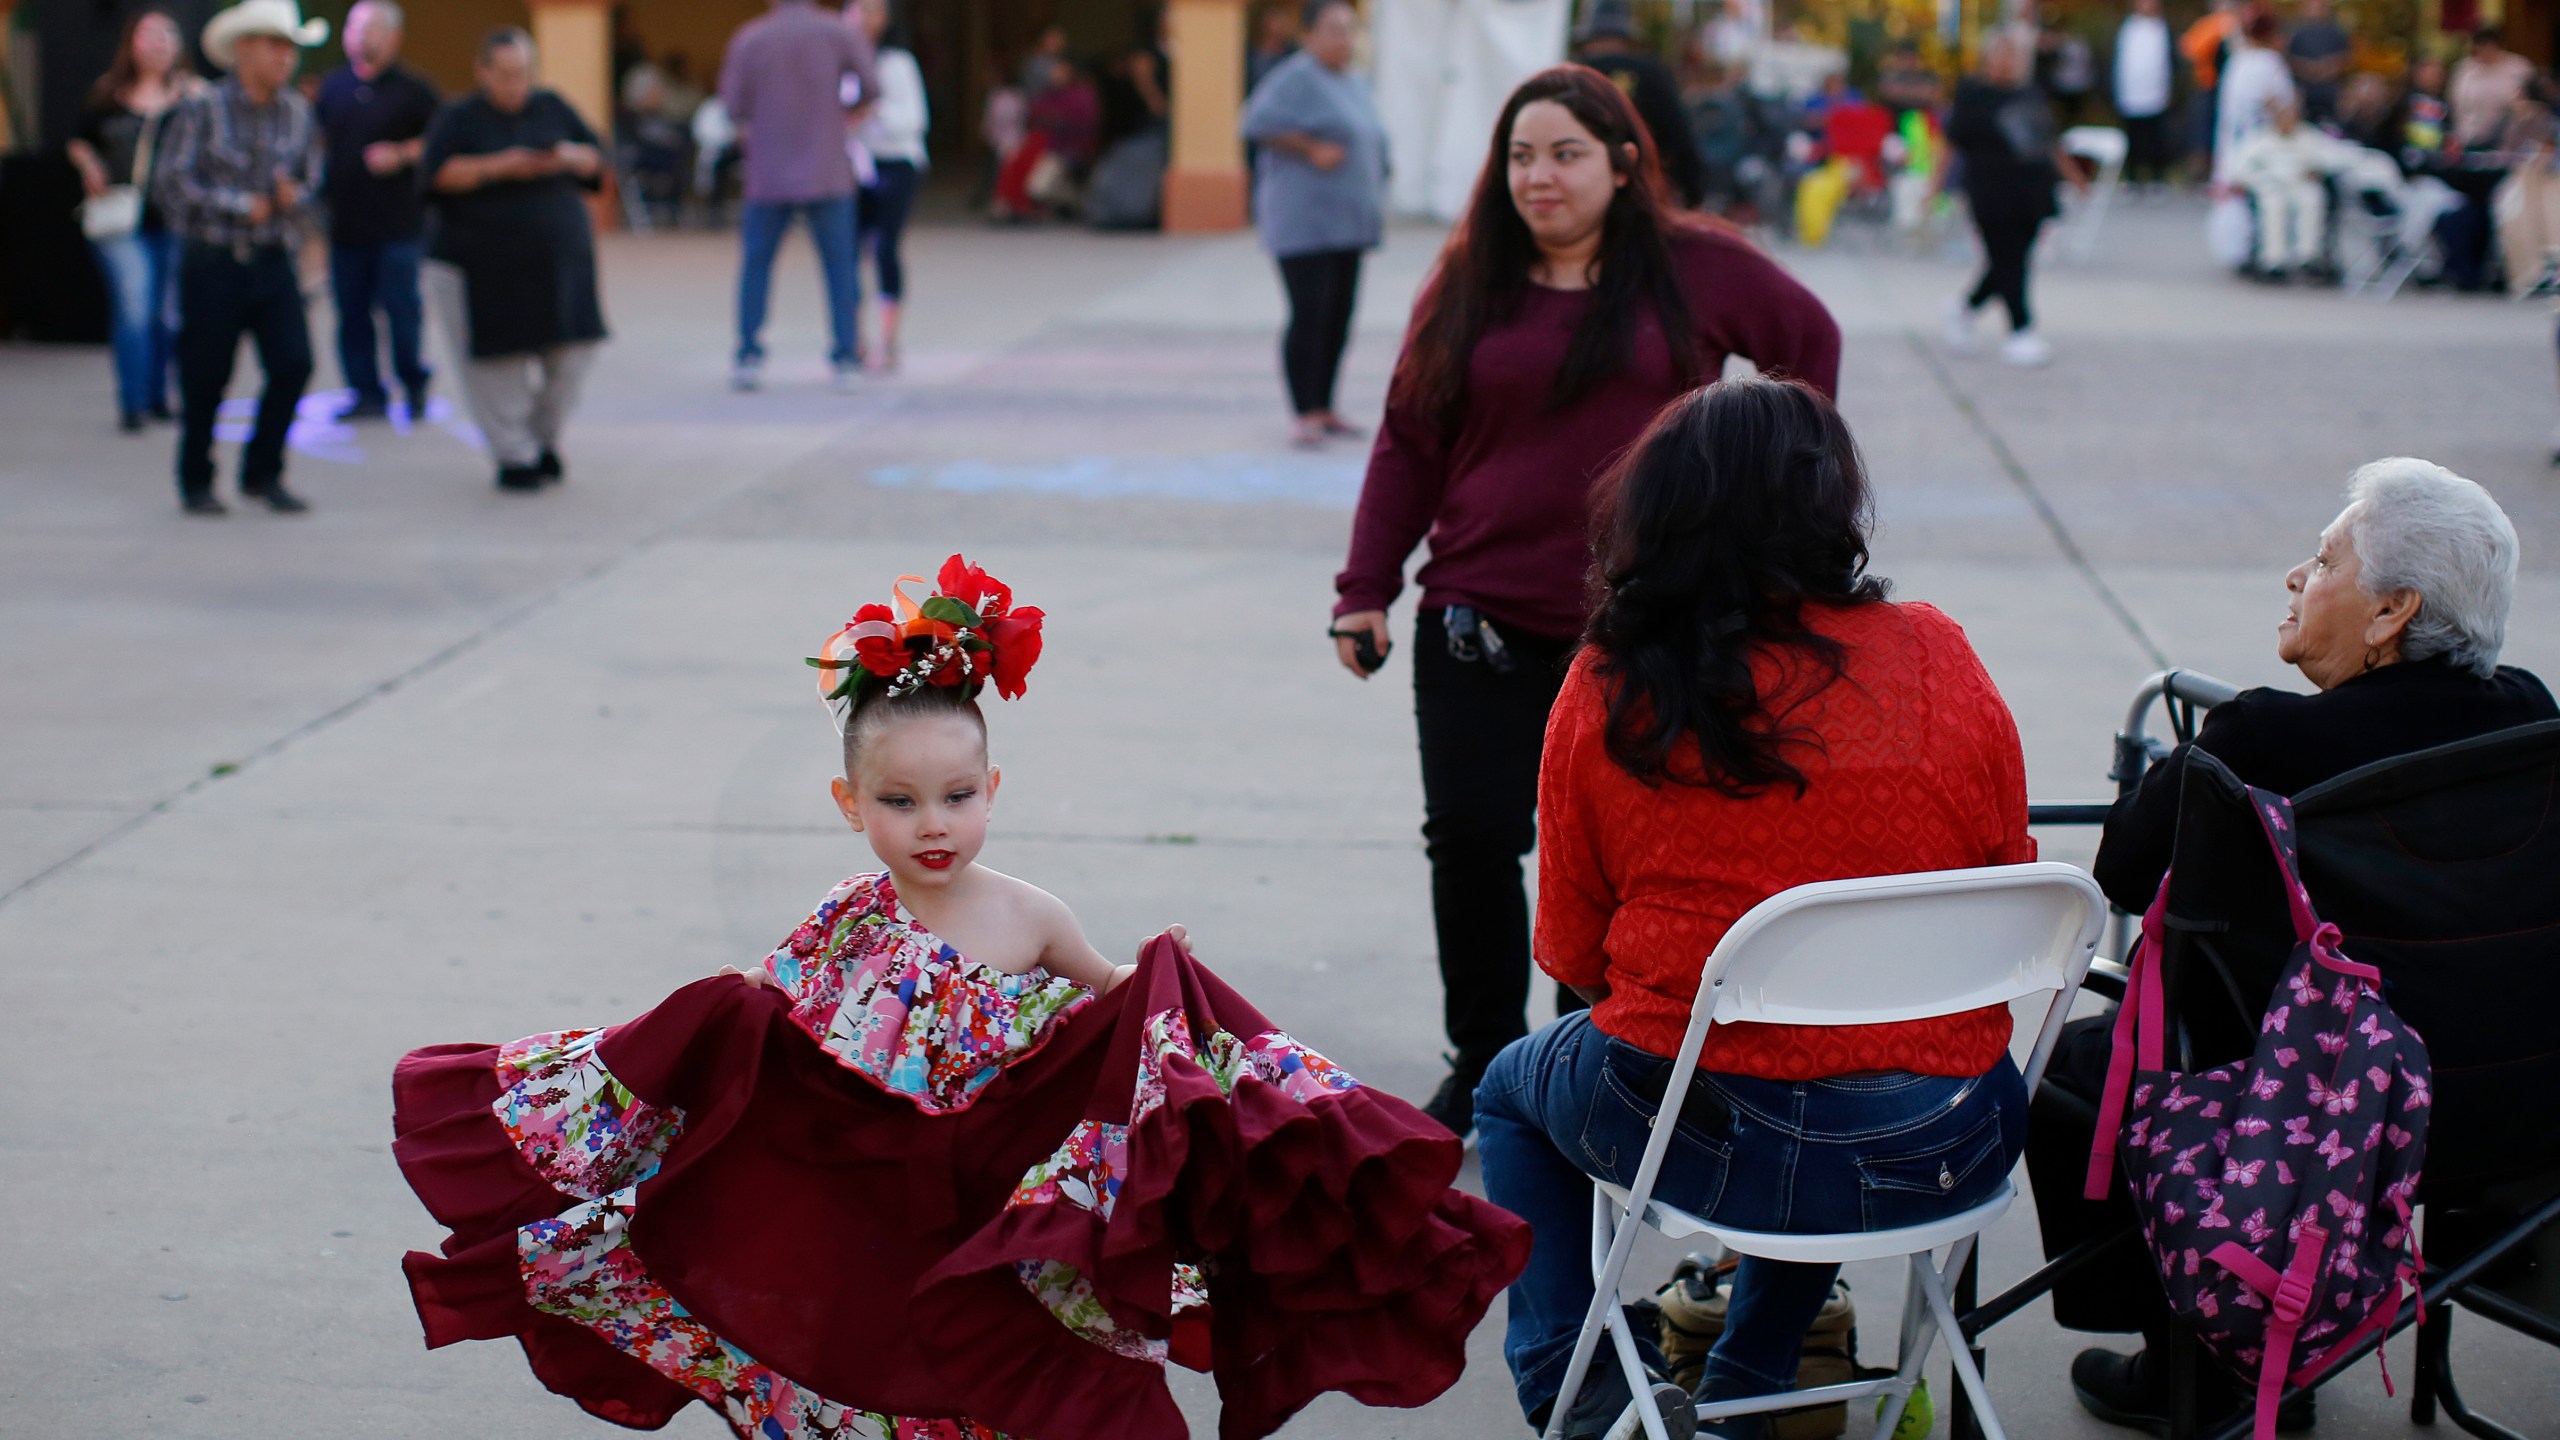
[(2435, 1339), (1608, 1266), (1927, 1275), (2443, 1388), (1647, 1414), (1917, 1336)]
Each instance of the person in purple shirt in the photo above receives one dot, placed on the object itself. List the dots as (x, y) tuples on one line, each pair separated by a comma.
[(794, 78), (1569, 306)]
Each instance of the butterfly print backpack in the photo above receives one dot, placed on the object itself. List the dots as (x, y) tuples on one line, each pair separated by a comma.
[(2274, 1192)]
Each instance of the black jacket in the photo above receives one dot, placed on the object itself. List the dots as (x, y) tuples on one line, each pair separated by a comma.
[(2287, 743)]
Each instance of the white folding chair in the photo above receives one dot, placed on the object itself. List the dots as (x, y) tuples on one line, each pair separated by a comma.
[(2105, 149), (1855, 952)]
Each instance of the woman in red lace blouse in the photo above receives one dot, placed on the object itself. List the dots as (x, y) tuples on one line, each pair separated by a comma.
[(1748, 713)]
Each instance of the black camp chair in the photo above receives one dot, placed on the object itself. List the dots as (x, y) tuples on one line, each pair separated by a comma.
[(2442, 868)]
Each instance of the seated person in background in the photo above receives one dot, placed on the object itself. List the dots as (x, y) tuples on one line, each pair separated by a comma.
[(2283, 167), (1748, 713), (2397, 622)]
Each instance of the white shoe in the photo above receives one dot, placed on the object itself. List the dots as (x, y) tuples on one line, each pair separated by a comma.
[(2026, 350), (848, 376), (1959, 326), (747, 374)]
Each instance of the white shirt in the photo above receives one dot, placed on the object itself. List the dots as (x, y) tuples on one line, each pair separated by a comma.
[(2142, 67), (2255, 80), (895, 128)]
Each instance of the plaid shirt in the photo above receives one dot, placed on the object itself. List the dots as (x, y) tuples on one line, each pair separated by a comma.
[(220, 152)]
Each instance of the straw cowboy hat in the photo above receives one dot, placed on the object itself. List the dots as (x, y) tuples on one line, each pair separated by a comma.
[(280, 18)]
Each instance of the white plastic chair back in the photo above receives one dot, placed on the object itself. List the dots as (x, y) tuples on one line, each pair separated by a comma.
[(2104, 147), (1905, 947)]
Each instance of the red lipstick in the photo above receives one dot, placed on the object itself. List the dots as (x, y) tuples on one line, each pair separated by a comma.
[(936, 859)]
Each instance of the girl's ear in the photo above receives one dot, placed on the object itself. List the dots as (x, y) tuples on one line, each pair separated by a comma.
[(995, 779), (1635, 157), (847, 802)]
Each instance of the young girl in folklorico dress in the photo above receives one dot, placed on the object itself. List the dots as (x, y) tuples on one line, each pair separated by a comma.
[(937, 1170)]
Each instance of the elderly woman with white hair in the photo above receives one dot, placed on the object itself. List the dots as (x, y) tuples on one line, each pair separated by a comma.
[(2397, 621)]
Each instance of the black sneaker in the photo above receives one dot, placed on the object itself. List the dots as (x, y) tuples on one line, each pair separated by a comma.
[(202, 505), (277, 498), (129, 423), (2125, 1390), (1605, 1397), (549, 467), (375, 408), (1454, 1103), (519, 477)]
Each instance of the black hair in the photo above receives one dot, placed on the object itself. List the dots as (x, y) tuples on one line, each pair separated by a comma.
[(1742, 502), (1483, 272), (503, 37), (1313, 11), (875, 710)]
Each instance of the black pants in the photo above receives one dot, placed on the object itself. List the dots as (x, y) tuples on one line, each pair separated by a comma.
[(1323, 288), (1482, 732), (221, 296), (882, 217), (2146, 155), (2006, 245)]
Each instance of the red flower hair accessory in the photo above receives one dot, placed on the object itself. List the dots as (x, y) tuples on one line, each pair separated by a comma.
[(966, 633)]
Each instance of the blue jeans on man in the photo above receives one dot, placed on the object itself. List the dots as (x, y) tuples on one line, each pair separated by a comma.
[(1865, 1152), (832, 228), (384, 277)]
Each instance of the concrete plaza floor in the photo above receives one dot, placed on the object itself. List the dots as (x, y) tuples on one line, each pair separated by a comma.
[(284, 798)]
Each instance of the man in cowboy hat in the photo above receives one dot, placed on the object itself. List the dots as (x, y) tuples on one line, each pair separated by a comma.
[(237, 168)]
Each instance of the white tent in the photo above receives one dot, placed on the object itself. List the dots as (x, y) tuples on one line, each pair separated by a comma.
[(1444, 67)]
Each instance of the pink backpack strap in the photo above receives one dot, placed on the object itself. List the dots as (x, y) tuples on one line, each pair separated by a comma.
[(2289, 1299), (2275, 816), (2141, 1021)]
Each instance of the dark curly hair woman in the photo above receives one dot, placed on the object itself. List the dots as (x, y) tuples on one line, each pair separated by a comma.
[(1748, 713)]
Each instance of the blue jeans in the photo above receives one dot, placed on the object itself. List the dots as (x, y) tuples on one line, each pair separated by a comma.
[(1853, 1153), (141, 269), (831, 227), (384, 276)]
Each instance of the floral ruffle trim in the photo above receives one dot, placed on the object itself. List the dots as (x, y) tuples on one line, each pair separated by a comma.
[(890, 1001), (581, 1130), (581, 1267), (1086, 1171)]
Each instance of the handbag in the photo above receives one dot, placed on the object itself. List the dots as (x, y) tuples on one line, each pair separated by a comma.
[(1690, 1312), (116, 213)]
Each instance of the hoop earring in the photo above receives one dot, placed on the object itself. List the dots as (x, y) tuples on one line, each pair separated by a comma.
[(2372, 657)]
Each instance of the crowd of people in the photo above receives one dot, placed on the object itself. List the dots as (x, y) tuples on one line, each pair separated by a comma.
[(1648, 647), (203, 197)]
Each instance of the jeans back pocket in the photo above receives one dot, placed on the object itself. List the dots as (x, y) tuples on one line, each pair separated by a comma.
[(1934, 1182), (1620, 1122)]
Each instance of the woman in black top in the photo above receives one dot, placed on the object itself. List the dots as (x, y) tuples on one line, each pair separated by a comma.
[(136, 252), (2397, 622), (2003, 128), (511, 255)]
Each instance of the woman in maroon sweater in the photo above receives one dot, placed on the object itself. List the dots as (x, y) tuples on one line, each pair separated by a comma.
[(1568, 307)]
